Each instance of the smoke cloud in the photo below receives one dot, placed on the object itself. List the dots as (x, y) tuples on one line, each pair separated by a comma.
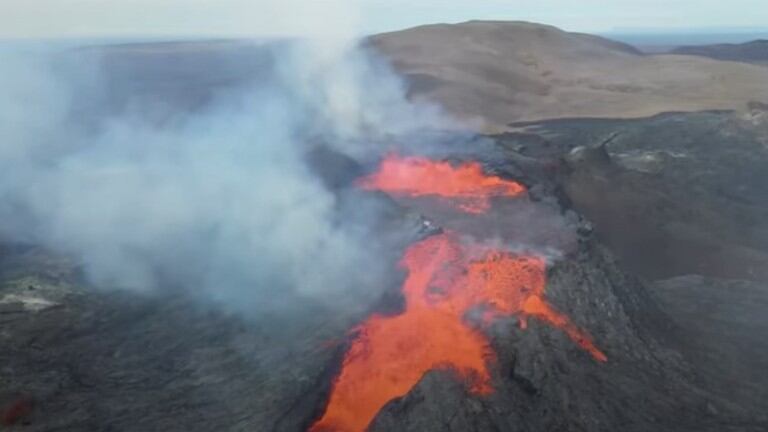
[(218, 197), (193, 165)]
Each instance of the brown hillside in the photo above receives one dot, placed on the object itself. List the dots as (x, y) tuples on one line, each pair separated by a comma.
[(500, 72)]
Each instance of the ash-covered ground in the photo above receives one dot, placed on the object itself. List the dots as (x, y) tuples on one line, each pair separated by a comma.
[(684, 342)]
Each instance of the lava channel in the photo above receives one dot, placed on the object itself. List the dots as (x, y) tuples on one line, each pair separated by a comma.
[(464, 186), (448, 276)]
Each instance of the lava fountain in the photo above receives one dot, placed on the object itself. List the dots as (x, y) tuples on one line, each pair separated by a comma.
[(448, 276)]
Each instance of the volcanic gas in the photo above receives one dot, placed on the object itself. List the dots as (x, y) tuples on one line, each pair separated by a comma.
[(449, 275)]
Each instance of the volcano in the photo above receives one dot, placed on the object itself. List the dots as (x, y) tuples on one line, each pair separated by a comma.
[(566, 275), (481, 334), (448, 276), (494, 336)]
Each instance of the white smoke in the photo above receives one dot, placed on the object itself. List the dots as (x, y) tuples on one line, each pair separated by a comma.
[(219, 198)]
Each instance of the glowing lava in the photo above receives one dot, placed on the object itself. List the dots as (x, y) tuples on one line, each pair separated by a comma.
[(446, 279), (465, 185), (448, 276)]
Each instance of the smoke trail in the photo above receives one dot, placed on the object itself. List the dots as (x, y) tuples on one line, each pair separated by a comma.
[(218, 198)]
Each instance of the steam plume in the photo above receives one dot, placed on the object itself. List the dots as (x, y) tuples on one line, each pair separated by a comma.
[(220, 198)]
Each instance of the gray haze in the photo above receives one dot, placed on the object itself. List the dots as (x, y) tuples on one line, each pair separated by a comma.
[(219, 199)]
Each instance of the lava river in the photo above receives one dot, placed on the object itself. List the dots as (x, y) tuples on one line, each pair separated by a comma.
[(466, 187), (449, 275)]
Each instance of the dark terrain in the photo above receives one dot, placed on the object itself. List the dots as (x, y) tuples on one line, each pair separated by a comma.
[(749, 52), (671, 195), (667, 271), (685, 352)]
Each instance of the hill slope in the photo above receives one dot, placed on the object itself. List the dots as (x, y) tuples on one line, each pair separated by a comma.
[(499, 72)]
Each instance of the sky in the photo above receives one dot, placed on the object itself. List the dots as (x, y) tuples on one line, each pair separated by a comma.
[(255, 18)]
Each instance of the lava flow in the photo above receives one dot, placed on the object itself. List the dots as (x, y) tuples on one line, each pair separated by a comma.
[(449, 276), (465, 185)]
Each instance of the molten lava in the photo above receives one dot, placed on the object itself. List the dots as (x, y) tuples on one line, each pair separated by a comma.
[(446, 279), (448, 276), (465, 185)]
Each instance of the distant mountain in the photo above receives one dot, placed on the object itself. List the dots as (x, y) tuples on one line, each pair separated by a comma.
[(494, 73), (750, 52), (662, 41)]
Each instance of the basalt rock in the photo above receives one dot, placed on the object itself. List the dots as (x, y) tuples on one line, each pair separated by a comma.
[(105, 360)]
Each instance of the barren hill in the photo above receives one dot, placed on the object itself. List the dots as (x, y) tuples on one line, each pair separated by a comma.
[(500, 72)]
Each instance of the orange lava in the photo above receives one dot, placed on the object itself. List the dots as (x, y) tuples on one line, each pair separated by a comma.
[(465, 185), (449, 277), (446, 280)]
